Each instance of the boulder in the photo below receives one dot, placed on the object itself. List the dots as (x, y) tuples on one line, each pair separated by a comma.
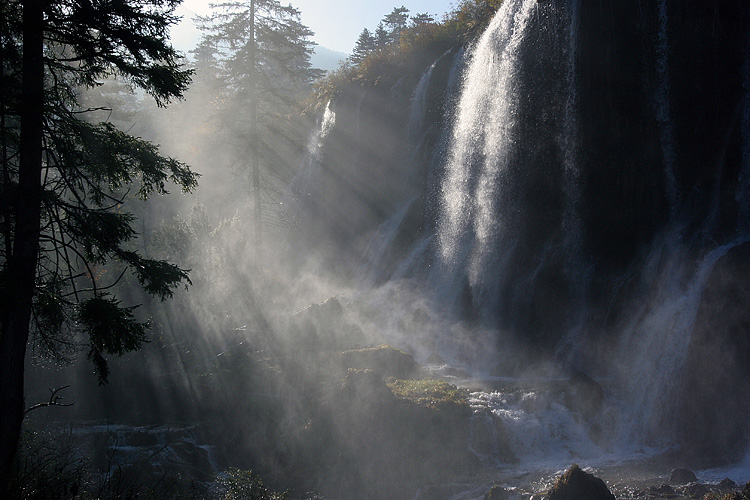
[(695, 490), (498, 493), (365, 386), (663, 490), (727, 484), (583, 395), (435, 359), (682, 476), (384, 360), (576, 484)]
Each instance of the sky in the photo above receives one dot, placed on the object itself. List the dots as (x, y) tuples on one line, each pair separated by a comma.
[(336, 23)]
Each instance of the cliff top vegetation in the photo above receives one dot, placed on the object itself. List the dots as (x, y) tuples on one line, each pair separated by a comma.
[(402, 40)]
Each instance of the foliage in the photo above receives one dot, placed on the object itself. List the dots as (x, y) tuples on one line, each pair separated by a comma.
[(428, 392), (88, 166), (402, 41), (48, 468)]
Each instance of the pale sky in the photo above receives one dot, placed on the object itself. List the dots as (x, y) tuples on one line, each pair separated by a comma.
[(336, 23)]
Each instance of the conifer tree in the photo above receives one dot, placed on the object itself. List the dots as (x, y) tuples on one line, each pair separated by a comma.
[(366, 44), (263, 54), (395, 23)]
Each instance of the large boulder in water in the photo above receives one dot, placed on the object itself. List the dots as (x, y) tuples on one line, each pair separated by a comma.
[(583, 395), (713, 406), (383, 359), (682, 476), (576, 484)]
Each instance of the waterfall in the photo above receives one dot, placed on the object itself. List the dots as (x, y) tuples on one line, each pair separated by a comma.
[(377, 250), (571, 222), (310, 168), (419, 102), (743, 189), (470, 228), (662, 105)]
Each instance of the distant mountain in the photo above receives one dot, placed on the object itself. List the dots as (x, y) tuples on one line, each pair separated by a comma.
[(326, 59)]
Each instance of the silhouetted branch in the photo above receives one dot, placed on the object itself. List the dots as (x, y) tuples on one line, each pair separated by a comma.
[(54, 400)]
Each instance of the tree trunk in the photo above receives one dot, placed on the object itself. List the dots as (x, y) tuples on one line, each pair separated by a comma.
[(21, 269), (253, 112)]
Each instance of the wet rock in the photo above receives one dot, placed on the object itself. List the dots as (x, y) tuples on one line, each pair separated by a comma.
[(576, 484), (696, 490), (323, 325), (384, 360), (663, 490), (727, 484), (367, 386), (489, 437), (583, 395), (682, 476), (498, 493), (435, 359)]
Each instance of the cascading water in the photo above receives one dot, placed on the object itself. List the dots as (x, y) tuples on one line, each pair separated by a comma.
[(310, 169), (469, 230)]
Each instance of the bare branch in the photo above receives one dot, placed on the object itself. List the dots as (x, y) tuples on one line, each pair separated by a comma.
[(54, 400)]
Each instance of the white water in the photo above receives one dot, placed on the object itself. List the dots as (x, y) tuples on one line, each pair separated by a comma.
[(310, 169), (469, 227)]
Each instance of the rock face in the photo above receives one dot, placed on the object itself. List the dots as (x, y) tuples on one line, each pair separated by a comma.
[(576, 484)]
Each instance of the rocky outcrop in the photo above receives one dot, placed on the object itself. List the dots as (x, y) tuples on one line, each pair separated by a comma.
[(383, 359), (682, 476), (366, 425), (583, 395), (576, 484)]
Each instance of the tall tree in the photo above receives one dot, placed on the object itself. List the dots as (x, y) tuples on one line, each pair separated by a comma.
[(382, 37), (366, 44), (396, 22), (264, 58), (64, 180)]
